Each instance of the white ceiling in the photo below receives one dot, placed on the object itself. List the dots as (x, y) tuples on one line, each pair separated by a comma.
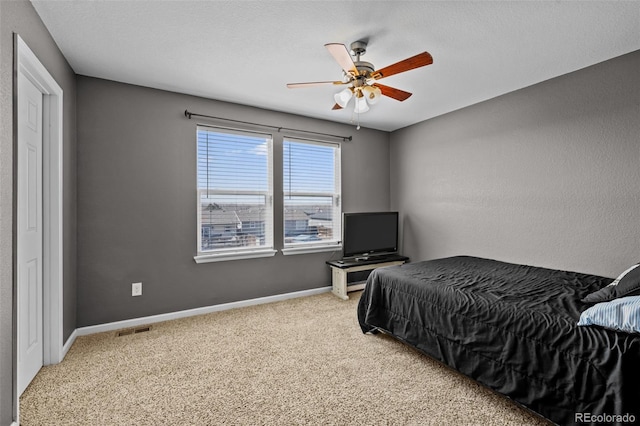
[(246, 51)]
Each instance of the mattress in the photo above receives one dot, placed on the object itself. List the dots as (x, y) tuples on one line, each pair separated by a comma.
[(512, 328)]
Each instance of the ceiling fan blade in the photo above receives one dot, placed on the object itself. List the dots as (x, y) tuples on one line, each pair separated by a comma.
[(392, 92), (314, 83), (342, 57), (417, 61), (336, 106)]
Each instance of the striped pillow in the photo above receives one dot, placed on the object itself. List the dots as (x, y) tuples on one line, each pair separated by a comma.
[(621, 314)]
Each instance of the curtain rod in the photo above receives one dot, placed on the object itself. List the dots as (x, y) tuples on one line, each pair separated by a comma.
[(189, 114)]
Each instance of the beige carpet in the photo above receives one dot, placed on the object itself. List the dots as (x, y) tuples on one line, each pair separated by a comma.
[(301, 361)]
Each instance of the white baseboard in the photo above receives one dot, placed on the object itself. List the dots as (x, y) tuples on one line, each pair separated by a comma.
[(134, 322), (68, 343)]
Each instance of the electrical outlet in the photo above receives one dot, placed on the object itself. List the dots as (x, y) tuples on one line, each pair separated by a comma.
[(136, 289)]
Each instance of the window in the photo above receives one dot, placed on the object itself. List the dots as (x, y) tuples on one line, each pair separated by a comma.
[(235, 195), (311, 186)]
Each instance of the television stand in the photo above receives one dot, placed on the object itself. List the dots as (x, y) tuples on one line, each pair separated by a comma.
[(340, 269)]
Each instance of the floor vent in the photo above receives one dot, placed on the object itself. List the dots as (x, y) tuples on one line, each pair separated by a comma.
[(129, 331)]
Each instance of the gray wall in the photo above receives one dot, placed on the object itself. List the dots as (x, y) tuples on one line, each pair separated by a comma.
[(548, 175), (20, 17), (137, 204)]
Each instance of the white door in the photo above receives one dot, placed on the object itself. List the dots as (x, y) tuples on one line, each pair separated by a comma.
[(29, 232)]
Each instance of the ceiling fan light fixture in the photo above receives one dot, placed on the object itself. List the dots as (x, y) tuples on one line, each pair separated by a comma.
[(372, 94), (343, 97), (361, 77), (361, 105)]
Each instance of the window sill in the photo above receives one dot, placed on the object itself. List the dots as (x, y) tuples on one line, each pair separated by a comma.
[(310, 249), (221, 257)]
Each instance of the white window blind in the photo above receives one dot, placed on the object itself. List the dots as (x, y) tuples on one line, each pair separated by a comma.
[(235, 191), (311, 185)]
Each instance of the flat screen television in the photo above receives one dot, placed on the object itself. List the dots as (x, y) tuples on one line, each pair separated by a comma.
[(369, 234)]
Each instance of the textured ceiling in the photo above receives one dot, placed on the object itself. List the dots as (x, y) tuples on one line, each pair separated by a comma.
[(246, 51)]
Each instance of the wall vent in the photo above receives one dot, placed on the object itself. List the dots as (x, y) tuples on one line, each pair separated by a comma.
[(128, 331)]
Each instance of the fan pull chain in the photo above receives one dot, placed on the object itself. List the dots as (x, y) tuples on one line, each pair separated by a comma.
[(357, 119)]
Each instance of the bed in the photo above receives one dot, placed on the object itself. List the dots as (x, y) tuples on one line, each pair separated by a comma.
[(512, 328)]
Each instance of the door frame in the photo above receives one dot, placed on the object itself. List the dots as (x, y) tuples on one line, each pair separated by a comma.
[(27, 64)]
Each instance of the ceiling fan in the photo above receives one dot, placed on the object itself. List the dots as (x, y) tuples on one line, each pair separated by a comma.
[(361, 77)]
